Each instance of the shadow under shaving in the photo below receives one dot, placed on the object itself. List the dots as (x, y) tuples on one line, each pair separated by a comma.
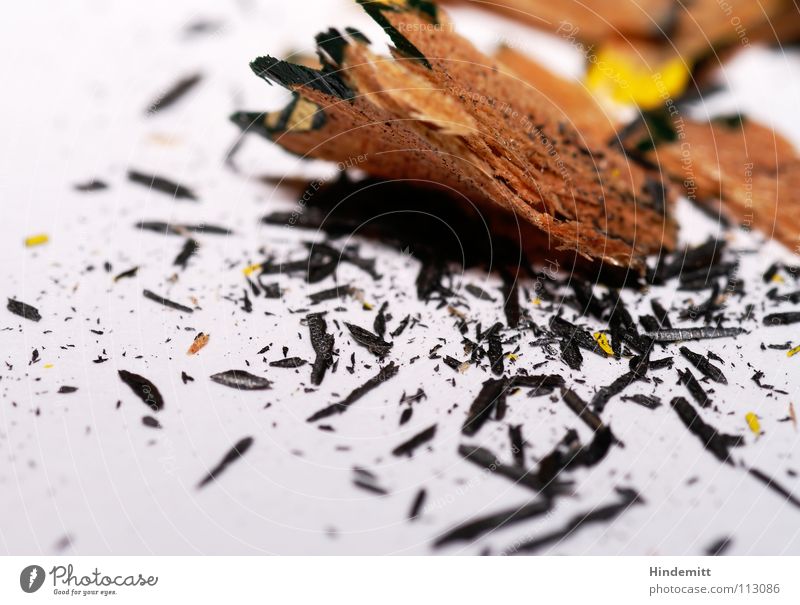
[(447, 234)]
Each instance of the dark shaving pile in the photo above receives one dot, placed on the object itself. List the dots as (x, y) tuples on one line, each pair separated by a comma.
[(575, 318)]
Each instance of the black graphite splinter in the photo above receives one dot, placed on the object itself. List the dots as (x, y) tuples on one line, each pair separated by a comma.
[(289, 362), (517, 444), (578, 405), (475, 528), (696, 390), (605, 393), (495, 349), (487, 460), (571, 453), (236, 452), (166, 302), (342, 406), (416, 506), (330, 294), (775, 486), (379, 325), (702, 363), (177, 229), (175, 92), (322, 343), (407, 448), (782, 319), (126, 274), (374, 343), (17, 307), (164, 185), (714, 442), (189, 249), (242, 380), (493, 391), (143, 389), (694, 333), (597, 515)]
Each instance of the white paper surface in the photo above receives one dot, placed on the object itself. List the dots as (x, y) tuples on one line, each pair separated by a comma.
[(80, 476)]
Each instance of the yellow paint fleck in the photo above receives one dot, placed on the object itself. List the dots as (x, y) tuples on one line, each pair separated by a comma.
[(628, 78), (537, 301), (36, 240), (249, 270), (753, 423), (778, 279), (793, 352), (368, 306), (511, 357), (602, 341), (47, 366)]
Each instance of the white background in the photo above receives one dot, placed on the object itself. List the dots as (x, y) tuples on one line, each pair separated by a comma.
[(82, 477)]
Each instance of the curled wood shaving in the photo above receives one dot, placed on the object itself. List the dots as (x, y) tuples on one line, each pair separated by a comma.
[(444, 113)]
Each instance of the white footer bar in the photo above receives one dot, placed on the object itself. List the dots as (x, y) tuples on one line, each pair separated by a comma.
[(401, 580)]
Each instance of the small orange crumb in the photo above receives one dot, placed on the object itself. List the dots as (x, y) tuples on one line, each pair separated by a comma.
[(200, 341)]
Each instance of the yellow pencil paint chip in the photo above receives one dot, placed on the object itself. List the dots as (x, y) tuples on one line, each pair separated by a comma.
[(793, 352), (753, 423), (778, 279), (368, 306), (602, 342), (36, 240), (47, 366), (537, 301), (249, 270), (628, 78), (511, 357)]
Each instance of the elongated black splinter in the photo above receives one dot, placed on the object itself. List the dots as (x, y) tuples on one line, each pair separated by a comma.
[(236, 452), (597, 515), (340, 407), (714, 442)]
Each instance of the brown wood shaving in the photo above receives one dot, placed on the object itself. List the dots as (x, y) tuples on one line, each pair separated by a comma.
[(753, 170), (654, 31), (445, 114)]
